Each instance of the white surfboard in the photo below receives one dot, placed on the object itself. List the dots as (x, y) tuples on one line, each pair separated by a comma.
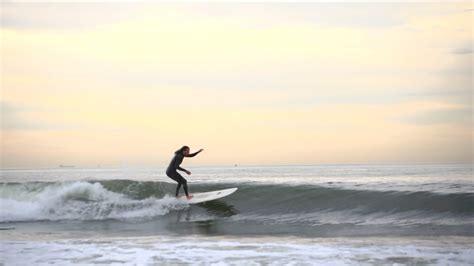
[(207, 196)]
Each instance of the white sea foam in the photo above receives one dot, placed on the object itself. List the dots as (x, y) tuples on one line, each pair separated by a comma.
[(238, 251), (78, 201)]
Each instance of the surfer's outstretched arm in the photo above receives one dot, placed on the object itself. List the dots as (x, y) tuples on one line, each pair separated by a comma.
[(194, 154)]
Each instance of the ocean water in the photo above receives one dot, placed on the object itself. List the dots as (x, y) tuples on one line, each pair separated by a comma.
[(302, 215)]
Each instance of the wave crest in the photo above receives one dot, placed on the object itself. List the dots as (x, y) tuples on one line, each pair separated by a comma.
[(76, 201)]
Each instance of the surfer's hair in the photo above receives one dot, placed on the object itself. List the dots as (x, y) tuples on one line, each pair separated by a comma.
[(182, 149)]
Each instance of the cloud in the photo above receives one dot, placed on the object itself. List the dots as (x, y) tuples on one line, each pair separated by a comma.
[(354, 15), (73, 16), (11, 116), (461, 116), (77, 15), (463, 50), (23, 117), (65, 16)]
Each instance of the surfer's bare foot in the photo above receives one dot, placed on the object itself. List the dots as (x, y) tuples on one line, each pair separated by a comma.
[(189, 197)]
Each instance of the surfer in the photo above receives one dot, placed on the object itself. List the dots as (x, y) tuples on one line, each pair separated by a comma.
[(172, 172)]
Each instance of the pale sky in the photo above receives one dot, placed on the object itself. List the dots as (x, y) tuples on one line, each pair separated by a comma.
[(91, 84)]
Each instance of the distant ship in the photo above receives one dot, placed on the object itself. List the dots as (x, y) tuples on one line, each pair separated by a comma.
[(66, 166)]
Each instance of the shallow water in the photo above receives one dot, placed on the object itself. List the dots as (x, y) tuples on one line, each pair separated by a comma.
[(240, 251)]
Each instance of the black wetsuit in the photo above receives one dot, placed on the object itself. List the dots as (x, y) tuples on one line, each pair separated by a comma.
[(172, 172)]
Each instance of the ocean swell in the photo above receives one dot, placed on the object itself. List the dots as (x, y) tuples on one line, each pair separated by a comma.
[(262, 203)]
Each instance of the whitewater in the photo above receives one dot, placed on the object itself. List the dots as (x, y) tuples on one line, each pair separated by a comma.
[(329, 214)]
